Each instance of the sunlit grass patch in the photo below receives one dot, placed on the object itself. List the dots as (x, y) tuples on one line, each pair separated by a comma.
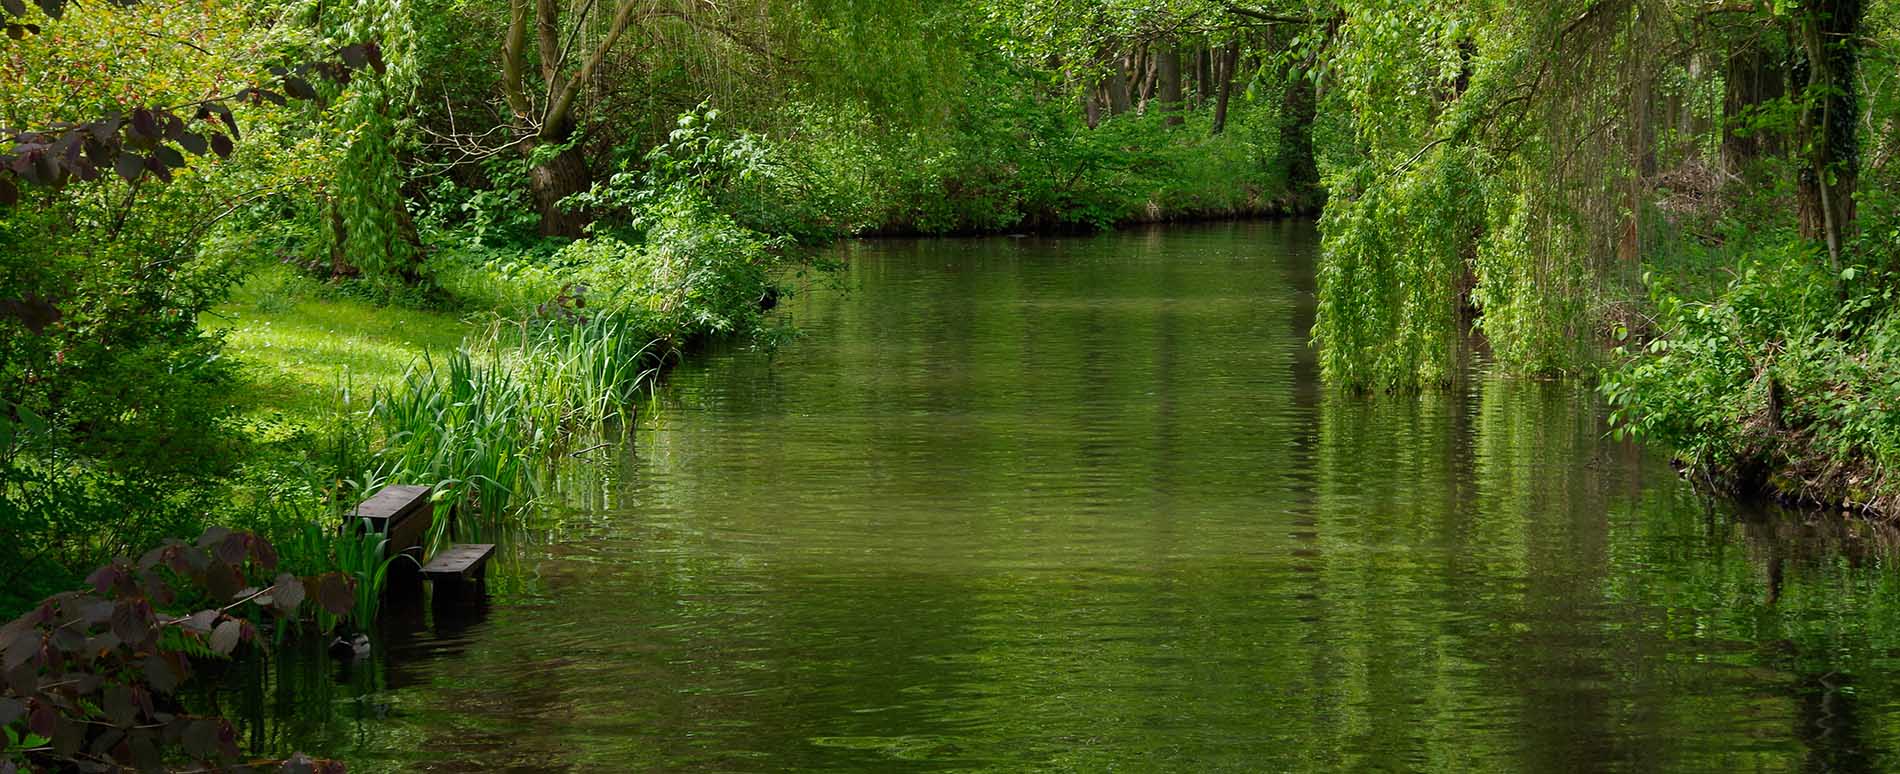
[(296, 344)]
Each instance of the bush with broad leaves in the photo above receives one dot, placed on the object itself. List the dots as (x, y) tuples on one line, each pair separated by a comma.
[(87, 678)]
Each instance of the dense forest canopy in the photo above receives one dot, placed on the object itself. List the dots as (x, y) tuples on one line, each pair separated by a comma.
[(1688, 202)]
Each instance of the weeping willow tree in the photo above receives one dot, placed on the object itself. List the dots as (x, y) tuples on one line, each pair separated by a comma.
[(1506, 160), (1484, 153), (366, 228)]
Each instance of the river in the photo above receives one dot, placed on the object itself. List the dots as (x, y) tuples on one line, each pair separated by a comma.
[(1081, 504)]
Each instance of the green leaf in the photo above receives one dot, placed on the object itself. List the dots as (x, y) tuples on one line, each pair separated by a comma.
[(31, 423)]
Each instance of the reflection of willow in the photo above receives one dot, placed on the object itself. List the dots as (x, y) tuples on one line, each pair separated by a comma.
[(1805, 560), (1544, 489), (1388, 667), (1462, 592)]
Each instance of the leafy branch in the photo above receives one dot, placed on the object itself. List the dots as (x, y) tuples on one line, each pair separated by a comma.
[(87, 679)]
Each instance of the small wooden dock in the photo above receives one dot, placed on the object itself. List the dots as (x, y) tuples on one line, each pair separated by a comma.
[(403, 513), (459, 574)]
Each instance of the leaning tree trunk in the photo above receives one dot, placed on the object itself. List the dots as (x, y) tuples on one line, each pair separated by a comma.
[(563, 174), (552, 181)]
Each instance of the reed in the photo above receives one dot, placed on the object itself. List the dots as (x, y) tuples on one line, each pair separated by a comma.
[(476, 422), (321, 545), (363, 555)]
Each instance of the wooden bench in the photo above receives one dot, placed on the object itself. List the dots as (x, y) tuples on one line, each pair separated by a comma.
[(401, 513), (460, 562)]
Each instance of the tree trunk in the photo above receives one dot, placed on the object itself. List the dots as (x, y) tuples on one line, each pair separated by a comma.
[(560, 176), (1642, 127), (1298, 111), (1829, 43), (1642, 149), (1119, 101), (565, 173), (1751, 81), (1205, 71), (1144, 79), (1698, 123), (1168, 84), (340, 263), (1224, 68)]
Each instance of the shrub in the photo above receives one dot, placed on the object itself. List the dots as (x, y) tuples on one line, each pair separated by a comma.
[(1788, 379), (91, 676)]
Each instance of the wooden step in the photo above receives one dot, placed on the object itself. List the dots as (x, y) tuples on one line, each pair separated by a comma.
[(459, 562)]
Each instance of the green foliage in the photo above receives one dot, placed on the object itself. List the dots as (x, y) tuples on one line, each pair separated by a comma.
[(1012, 160), (120, 400), (1777, 382), (1396, 251), (1530, 291), (365, 225)]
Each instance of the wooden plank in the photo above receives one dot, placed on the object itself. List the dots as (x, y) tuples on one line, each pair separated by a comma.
[(391, 503), (402, 513), (462, 561)]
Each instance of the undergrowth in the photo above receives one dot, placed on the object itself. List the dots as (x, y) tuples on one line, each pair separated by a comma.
[(1785, 379)]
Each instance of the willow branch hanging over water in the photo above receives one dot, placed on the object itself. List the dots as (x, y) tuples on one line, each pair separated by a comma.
[(1480, 189), (1670, 196)]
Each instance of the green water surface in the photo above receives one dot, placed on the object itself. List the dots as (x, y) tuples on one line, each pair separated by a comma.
[(1080, 504)]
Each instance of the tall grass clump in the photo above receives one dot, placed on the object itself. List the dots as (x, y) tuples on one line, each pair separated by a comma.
[(474, 423), (584, 373), (360, 554), (458, 422)]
